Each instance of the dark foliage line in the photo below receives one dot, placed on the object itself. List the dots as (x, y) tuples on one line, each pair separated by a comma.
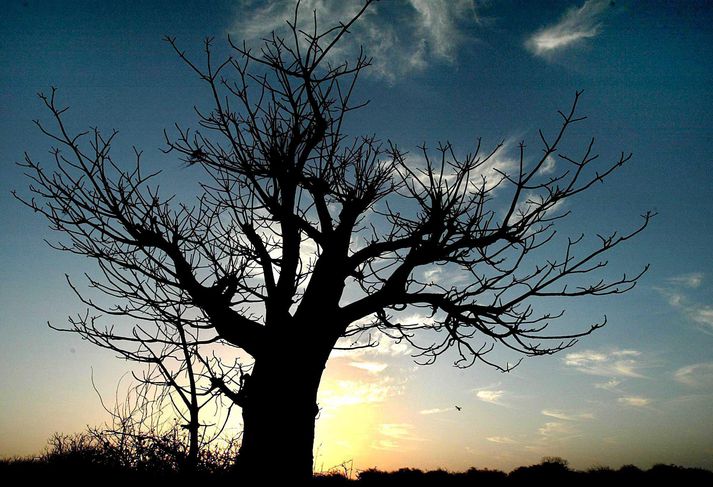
[(98, 455)]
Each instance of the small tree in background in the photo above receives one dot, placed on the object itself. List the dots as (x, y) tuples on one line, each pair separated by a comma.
[(177, 384), (303, 236)]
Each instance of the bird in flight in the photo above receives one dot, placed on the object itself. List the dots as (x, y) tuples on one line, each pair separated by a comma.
[(458, 408)]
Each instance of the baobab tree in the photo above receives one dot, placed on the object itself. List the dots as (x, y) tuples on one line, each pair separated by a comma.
[(303, 235)]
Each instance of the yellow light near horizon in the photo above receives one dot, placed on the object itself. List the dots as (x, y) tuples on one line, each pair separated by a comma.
[(353, 406), (345, 435)]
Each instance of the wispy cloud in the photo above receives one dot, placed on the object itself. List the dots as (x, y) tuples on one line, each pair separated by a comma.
[(434, 275), (576, 25), (393, 436), (401, 37), (702, 314), (615, 363), (397, 430), (556, 428), (676, 296), (503, 159), (549, 166), (565, 416), (371, 367), (386, 347), (634, 401), (502, 440), (414, 319), (353, 392), (490, 395), (692, 280), (610, 385), (435, 411), (696, 375)]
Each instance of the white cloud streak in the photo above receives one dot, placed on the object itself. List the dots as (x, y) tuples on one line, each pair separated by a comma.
[(489, 174), (353, 392), (696, 375), (397, 430), (692, 280), (701, 314), (576, 25), (435, 411), (393, 436), (549, 166), (610, 385), (402, 37), (371, 367), (565, 416), (634, 401), (386, 347), (490, 395), (556, 428), (616, 363), (502, 440)]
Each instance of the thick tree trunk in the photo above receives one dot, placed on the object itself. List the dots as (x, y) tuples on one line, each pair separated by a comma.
[(279, 404)]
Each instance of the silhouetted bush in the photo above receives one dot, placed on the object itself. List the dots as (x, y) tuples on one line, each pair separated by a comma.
[(331, 478), (630, 473), (552, 469), (485, 477), (128, 455), (681, 475), (91, 457)]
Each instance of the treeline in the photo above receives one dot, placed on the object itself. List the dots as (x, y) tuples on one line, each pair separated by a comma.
[(95, 456), (546, 474)]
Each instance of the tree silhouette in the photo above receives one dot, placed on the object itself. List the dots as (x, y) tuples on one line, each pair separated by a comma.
[(303, 235), (178, 381)]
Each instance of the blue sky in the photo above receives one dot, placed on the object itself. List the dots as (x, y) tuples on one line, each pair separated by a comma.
[(638, 391)]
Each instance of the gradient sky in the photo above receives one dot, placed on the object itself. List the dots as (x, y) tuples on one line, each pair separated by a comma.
[(638, 391)]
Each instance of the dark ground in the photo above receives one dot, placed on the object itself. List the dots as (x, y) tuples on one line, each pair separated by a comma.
[(132, 459), (79, 472)]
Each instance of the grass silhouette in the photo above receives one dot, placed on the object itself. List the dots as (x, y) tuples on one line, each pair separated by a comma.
[(96, 456)]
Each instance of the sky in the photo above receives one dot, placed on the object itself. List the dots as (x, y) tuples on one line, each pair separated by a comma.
[(638, 391)]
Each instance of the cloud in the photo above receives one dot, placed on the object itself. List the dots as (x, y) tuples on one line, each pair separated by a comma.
[(371, 367), (701, 314), (384, 444), (401, 37), (675, 299), (610, 385), (444, 275), (488, 174), (435, 411), (414, 319), (393, 436), (386, 347), (564, 416), (396, 430), (549, 166), (556, 428), (353, 392), (576, 25), (696, 375), (634, 401), (692, 280), (502, 440), (490, 395), (616, 363), (434, 275)]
